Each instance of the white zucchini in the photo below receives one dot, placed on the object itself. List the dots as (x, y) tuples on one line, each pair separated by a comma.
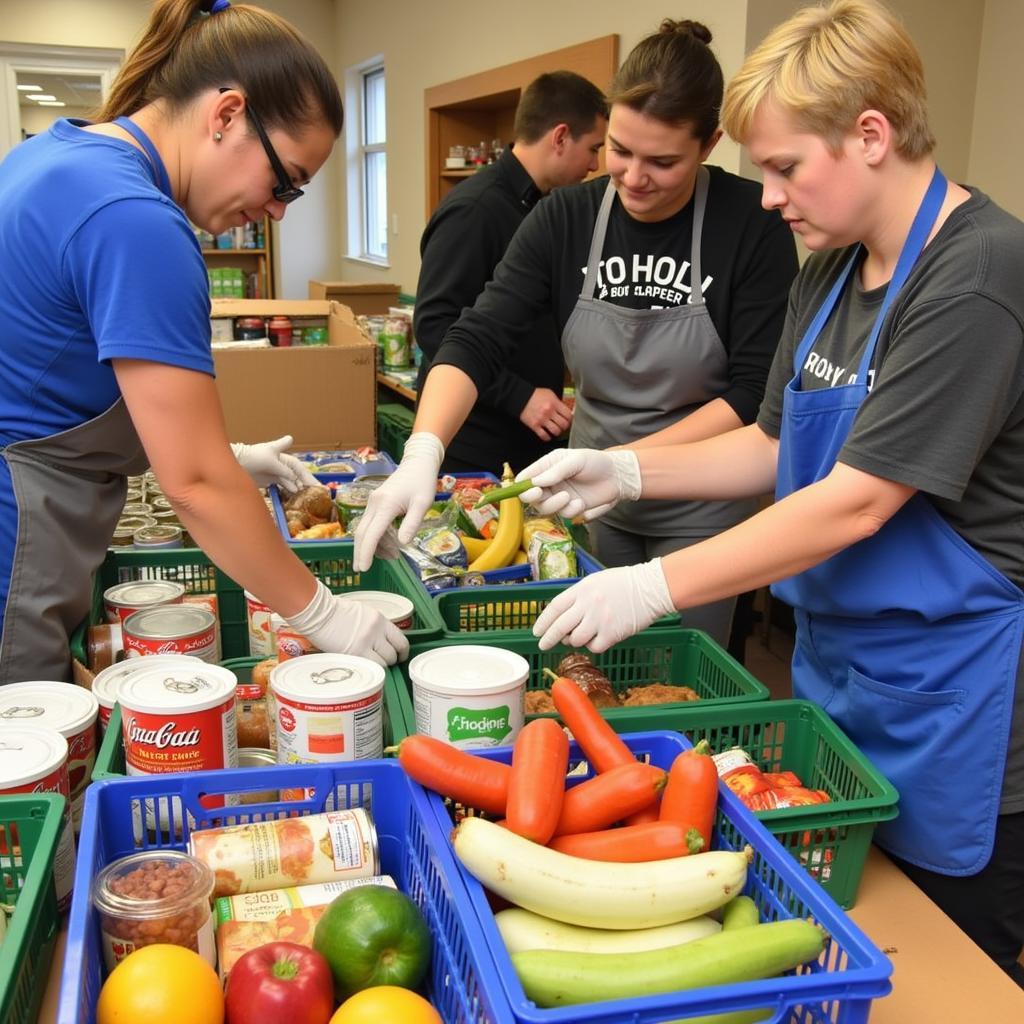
[(523, 929), (593, 893)]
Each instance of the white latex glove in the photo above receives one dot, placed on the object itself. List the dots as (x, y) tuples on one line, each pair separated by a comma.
[(409, 490), (575, 480), (606, 607), (269, 463), (349, 627)]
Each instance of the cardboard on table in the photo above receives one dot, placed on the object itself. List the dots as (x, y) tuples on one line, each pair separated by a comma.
[(325, 396)]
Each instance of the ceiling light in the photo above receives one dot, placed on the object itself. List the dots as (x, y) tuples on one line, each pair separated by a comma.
[(42, 97), (52, 103), (30, 88)]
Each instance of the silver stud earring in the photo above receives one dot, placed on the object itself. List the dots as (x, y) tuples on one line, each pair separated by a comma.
[(217, 136)]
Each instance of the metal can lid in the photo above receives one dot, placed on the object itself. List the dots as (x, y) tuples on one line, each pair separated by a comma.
[(195, 687), (468, 669), (138, 593), (29, 753), (106, 682), (62, 706), (169, 621), (129, 524), (137, 508), (393, 607), (327, 678), (256, 757), (159, 534)]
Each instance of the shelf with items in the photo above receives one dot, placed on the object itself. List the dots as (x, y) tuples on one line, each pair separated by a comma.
[(248, 251), (482, 107)]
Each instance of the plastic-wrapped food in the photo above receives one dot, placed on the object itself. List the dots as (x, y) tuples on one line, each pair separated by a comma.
[(435, 576), (444, 544), (763, 791), (549, 548)]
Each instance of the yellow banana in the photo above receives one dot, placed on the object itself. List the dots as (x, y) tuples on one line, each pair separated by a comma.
[(475, 546), (503, 546), (521, 558)]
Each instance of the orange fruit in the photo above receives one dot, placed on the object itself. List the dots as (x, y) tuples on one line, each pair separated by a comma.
[(154, 984), (385, 1003)]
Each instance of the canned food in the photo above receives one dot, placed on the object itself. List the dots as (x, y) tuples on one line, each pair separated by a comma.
[(179, 718), (103, 644), (105, 683), (328, 707), (72, 711), (394, 607), (258, 757), (137, 508), (154, 896), (396, 342), (289, 851), (124, 533), (162, 504), (288, 642), (34, 759), (261, 634), (171, 629), (134, 493), (252, 723), (124, 599), (279, 330), (159, 537)]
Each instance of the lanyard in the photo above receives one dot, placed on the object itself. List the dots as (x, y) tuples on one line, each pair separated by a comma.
[(924, 220), (163, 182)]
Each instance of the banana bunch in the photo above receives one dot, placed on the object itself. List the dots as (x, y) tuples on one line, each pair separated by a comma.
[(501, 550)]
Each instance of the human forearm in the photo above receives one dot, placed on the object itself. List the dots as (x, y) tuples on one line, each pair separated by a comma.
[(712, 418)]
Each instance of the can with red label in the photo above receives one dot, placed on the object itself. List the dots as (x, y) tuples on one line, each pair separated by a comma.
[(122, 599), (34, 759), (179, 718), (261, 634), (105, 684), (212, 603), (72, 711), (290, 643), (171, 629)]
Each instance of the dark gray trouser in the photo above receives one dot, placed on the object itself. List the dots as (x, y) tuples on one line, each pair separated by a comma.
[(614, 547)]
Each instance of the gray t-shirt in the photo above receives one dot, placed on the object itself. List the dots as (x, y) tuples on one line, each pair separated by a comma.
[(945, 413)]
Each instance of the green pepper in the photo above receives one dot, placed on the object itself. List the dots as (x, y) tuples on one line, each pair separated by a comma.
[(499, 494)]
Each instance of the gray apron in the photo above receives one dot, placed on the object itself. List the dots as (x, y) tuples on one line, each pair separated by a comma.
[(637, 371), (69, 489)]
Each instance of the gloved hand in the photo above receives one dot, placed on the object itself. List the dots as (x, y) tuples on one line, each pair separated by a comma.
[(268, 463), (349, 627), (409, 490), (575, 480), (606, 607)]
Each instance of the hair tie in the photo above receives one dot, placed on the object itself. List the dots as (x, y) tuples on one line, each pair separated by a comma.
[(214, 6)]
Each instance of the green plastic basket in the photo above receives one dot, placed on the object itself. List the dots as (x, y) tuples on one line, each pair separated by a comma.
[(830, 840), (330, 562), (30, 827), (398, 719), (394, 425), (676, 656)]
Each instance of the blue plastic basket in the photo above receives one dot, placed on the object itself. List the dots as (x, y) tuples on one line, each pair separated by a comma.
[(462, 983), (837, 989)]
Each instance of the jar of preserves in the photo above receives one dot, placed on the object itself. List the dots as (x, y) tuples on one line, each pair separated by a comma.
[(154, 896), (250, 328), (252, 722), (279, 329)]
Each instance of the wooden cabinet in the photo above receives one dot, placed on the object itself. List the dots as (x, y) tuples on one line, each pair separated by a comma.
[(256, 264), (482, 107)]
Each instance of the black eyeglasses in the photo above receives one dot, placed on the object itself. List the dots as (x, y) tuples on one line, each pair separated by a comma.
[(284, 191)]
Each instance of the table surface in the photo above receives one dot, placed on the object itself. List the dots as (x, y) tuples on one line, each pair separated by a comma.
[(939, 975)]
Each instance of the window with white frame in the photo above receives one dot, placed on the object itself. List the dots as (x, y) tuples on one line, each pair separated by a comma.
[(368, 162)]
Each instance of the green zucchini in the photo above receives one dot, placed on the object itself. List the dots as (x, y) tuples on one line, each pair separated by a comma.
[(499, 494), (556, 978), (740, 912)]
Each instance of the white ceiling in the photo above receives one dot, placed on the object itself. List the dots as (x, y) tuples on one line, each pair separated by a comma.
[(74, 90)]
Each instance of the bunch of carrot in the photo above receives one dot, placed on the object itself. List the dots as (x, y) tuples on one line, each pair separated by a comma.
[(662, 814)]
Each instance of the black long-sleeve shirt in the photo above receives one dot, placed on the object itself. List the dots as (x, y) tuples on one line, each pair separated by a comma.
[(748, 260), (463, 242)]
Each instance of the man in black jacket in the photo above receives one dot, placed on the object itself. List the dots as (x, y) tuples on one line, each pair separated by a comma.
[(559, 129)]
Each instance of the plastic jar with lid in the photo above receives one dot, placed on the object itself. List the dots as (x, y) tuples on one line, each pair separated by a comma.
[(279, 330), (154, 896)]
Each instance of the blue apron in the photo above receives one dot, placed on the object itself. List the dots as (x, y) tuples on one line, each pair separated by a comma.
[(909, 639)]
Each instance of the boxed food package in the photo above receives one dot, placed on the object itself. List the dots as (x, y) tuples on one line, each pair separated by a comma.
[(360, 297)]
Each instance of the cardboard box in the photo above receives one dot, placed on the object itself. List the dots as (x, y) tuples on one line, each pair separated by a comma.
[(324, 396), (362, 299)]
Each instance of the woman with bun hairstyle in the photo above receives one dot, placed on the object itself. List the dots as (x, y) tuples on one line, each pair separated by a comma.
[(667, 282), (219, 116)]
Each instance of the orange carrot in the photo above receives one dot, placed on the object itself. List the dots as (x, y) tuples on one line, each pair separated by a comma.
[(691, 794), (609, 797), (600, 743), (476, 782), (656, 840), (540, 759)]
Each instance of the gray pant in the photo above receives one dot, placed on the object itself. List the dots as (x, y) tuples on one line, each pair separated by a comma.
[(614, 547)]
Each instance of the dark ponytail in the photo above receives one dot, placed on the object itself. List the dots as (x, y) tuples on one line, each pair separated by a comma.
[(673, 77), (184, 52)]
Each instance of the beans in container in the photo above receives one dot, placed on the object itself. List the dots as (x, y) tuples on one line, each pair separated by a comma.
[(34, 759), (72, 711), (154, 896), (288, 851), (105, 683), (328, 707), (171, 629), (123, 599)]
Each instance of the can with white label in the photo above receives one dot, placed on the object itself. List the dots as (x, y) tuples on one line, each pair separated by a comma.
[(72, 711), (105, 684), (172, 629), (394, 607), (122, 599)]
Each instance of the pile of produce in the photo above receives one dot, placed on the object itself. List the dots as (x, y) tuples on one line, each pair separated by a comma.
[(310, 514)]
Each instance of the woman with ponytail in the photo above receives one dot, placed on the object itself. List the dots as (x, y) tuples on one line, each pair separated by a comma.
[(668, 284), (219, 116)]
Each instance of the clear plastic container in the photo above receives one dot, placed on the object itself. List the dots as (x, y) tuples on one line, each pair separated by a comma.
[(154, 896)]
